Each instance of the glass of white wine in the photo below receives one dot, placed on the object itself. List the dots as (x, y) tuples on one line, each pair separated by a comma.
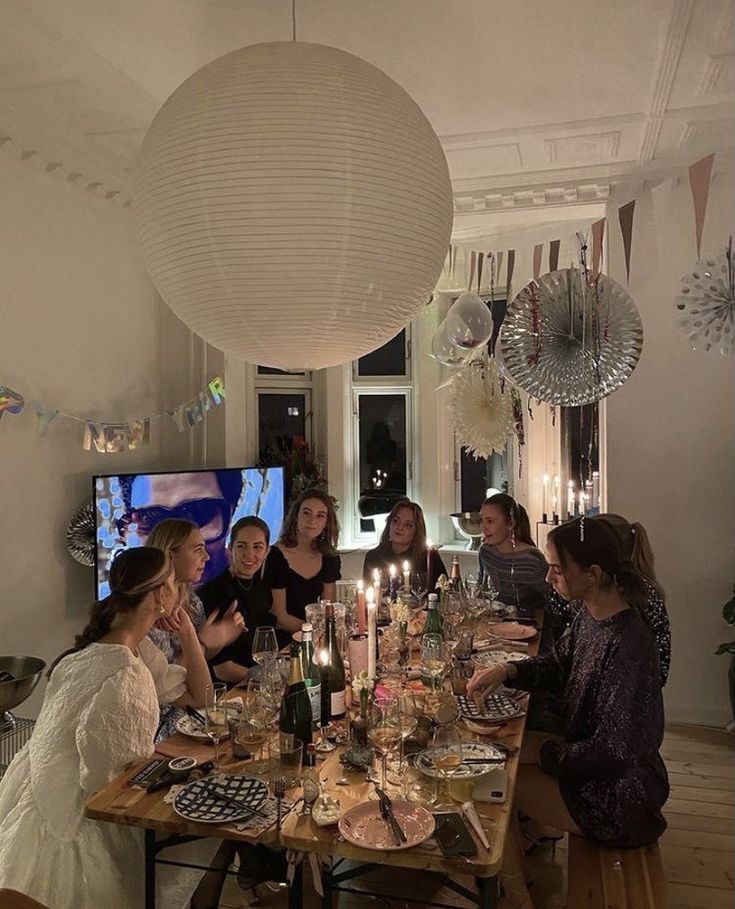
[(446, 755), (383, 734), (265, 644), (215, 714)]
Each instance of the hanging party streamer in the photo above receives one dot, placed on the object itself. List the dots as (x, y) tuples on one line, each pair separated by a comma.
[(44, 417), (109, 438), (598, 234), (625, 216), (192, 412), (554, 246), (699, 179), (537, 253), (10, 401)]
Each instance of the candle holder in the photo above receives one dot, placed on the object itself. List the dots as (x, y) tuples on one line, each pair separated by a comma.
[(544, 518), (555, 519)]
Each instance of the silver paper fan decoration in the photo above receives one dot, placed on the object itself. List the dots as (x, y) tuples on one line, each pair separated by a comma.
[(80, 540), (482, 413), (570, 344), (706, 305)]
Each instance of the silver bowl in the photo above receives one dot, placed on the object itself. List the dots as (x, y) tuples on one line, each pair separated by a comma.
[(469, 525), (26, 672)]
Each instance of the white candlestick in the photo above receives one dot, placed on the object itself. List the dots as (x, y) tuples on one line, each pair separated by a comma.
[(407, 574), (570, 497), (595, 488), (546, 490), (581, 502), (372, 631)]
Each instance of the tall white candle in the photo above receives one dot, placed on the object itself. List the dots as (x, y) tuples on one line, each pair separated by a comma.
[(546, 492), (372, 631), (595, 488), (570, 497), (406, 574), (581, 502)]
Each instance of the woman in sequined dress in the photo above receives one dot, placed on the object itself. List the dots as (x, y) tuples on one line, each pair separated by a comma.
[(605, 779)]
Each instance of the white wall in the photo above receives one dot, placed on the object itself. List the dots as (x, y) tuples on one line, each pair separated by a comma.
[(81, 328), (671, 441)]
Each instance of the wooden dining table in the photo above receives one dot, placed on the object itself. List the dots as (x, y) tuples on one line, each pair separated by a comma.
[(120, 803)]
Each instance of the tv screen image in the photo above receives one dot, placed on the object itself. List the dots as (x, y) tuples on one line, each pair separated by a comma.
[(128, 506)]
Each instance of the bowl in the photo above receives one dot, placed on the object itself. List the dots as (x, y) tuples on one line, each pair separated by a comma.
[(26, 672), (469, 525)]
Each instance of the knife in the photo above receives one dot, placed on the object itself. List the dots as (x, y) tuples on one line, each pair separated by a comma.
[(386, 809)]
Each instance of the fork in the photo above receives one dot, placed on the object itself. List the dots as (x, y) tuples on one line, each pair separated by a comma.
[(279, 790)]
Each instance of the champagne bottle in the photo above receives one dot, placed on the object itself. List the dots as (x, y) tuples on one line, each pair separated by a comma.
[(433, 623), (295, 720), (312, 674), (455, 574), (336, 666)]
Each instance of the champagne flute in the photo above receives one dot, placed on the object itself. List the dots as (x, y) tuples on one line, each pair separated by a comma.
[(419, 584), (215, 715), (265, 644), (405, 716), (383, 734), (446, 754)]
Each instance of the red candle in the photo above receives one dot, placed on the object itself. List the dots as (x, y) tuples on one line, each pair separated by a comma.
[(361, 609)]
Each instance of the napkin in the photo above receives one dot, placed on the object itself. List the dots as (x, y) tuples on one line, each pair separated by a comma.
[(255, 825), (470, 812)]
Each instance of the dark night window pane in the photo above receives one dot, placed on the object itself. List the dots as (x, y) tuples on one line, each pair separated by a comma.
[(388, 360), (580, 445), (382, 437), (271, 371), (280, 418), (477, 476)]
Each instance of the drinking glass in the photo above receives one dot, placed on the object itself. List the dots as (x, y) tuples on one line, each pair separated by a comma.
[(433, 665), (405, 717), (265, 644), (446, 754), (286, 760), (215, 714), (383, 733), (419, 584)]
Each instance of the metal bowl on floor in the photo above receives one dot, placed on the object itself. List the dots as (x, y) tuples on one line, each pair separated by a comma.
[(469, 525), (25, 672)]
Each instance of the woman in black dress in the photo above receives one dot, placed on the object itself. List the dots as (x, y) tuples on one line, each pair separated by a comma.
[(244, 583), (304, 566), (404, 539), (605, 779)]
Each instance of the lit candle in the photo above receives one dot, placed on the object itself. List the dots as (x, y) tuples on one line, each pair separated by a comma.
[(392, 582), (595, 488), (581, 502), (407, 574), (361, 613), (570, 498), (546, 491), (326, 692), (371, 630)]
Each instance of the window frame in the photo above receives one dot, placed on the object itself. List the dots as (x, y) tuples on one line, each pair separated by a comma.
[(405, 378)]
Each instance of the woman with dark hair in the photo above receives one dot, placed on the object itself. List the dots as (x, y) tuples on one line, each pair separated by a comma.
[(304, 566), (100, 712), (404, 539), (245, 584), (508, 557), (605, 778)]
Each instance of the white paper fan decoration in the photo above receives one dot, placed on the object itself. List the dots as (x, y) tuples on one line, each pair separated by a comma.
[(706, 305), (482, 412)]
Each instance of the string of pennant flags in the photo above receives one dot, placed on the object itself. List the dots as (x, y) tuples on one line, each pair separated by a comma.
[(109, 438), (475, 262)]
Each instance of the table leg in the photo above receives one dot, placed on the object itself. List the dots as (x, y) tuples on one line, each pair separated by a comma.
[(150, 869), (296, 888), (327, 885), (487, 889)]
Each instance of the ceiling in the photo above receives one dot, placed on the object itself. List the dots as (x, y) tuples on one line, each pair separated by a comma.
[(539, 106)]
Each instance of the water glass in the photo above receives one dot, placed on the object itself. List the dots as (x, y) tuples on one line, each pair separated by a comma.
[(265, 644), (286, 759), (215, 715)]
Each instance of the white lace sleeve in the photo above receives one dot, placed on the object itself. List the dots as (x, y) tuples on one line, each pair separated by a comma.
[(117, 726), (169, 678)]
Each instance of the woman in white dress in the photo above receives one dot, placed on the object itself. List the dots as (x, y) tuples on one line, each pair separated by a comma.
[(100, 712)]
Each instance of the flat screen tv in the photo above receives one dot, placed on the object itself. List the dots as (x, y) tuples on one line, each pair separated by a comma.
[(128, 506)]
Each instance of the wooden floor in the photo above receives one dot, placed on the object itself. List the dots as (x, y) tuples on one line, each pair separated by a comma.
[(698, 848)]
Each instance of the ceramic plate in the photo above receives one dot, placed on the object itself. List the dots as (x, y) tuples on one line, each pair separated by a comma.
[(493, 657), (498, 707), (512, 631), (424, 761), (363, 825), (206, 800), (190, 726)]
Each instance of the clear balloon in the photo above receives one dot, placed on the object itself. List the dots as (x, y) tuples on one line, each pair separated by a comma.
[(444, 351), (469, 323)]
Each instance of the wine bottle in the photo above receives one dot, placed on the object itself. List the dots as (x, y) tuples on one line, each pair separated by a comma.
[(336, 666), (455, 574), (433, 623), (312, 673), (295, 720)]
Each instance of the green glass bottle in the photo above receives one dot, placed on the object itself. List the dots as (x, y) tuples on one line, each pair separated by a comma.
[(312, 672), (336, 666), (295, 721), (433, 623)]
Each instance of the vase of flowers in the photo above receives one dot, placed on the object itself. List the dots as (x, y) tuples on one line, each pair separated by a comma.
[(362, 687)]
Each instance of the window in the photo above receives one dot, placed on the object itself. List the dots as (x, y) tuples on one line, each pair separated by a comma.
[(580, 451), (391, 361), (475, 476), (281, 416)]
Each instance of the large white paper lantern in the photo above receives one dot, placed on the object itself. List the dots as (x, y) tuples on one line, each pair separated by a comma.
[(293, 205)]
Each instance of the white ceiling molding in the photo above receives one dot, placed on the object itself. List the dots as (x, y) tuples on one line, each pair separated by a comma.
[(718, 75)]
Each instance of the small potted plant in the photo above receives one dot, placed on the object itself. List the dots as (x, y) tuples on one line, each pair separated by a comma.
[(362, 686), (728, 614), (399, 614)]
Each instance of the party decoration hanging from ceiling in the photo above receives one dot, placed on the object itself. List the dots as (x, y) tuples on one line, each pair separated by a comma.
[(293, 204), (706, 304), (482, 409), (468, 324), (80, 541), (567, 340)]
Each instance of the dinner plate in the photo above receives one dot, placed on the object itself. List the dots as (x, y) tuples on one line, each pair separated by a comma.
[(364, 826), (197, 801), (512, 631), (424, 760), (498, 707), (493, 657), (190, 726)]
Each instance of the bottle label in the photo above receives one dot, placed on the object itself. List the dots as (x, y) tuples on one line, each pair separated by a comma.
[(338, 703), (315, 699)]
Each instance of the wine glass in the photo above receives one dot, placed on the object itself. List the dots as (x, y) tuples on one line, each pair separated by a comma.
[(265, 644), (383, 733), (405, 716), (215, 715), (419, 584), (446, 755)]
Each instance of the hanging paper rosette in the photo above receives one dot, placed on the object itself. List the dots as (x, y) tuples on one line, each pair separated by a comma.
[(482, 411), (706, 304), (80, 542)]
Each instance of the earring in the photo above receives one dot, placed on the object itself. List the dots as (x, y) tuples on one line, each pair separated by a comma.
[(161, 609), (513, 537)]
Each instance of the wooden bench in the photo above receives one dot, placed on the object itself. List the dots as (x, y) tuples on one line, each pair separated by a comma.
[(603, 878)]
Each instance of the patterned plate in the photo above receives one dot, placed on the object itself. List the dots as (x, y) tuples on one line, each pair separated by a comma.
[(512, 631), (200, 801), (493, 657), (363, 825), (497, 707), (424, 761), (188, 725)]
